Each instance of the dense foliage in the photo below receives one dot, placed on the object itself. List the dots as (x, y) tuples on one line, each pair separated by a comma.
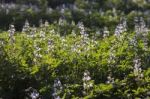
[(42, 62), (87, 49)]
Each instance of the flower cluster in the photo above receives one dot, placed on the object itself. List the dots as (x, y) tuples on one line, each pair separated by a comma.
[(32, 33), (87, 82), (73, 33), (11, 33), (1, 42), (62, 21), (57, 89), (145, 41), (122, 27), (110, 79), (32, 93), (137, 68), (112, 56), (134, 42), (41, 23), (42, 35), (46, 24), (105, 32), (37, 51), (26, 27), (50, 45), (143, 30), (64, 43), (82, 30), (98, 33), (82, 45), (140, 26)]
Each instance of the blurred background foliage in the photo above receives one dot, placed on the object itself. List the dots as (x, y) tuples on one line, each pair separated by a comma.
[(95, 14)]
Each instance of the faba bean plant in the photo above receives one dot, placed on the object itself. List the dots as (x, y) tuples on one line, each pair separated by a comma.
[(42, 63)]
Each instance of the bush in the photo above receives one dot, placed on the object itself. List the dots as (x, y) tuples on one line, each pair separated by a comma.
[(113, 67)]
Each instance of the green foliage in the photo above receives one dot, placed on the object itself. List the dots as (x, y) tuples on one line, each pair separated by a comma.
[(117, 66), (31, 62)]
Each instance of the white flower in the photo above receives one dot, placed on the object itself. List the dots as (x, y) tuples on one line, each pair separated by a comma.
[(87, 84), (137, 68), (26, 26), (34, 95), (82, 30), (121, 28), (110, 79), (11, 33), (140, 26), (46, 23), (105, 32), (57, 88), (11, 30), (42, 34)]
